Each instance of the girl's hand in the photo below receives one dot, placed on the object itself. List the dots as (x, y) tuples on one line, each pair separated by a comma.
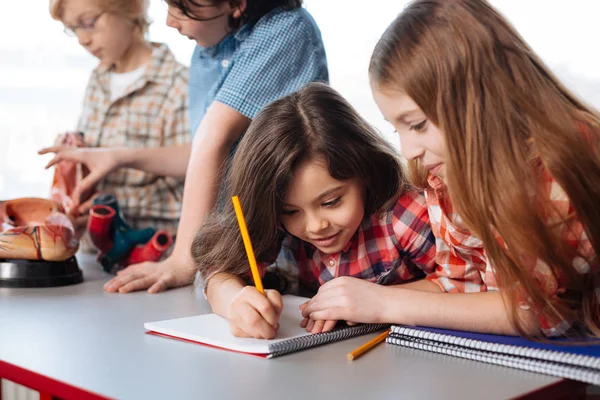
[(349, 299), (313, 326), (253, 315), (99, 161)]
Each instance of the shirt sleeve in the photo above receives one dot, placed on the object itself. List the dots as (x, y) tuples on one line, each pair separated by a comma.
[(280, 56), (415, 240)]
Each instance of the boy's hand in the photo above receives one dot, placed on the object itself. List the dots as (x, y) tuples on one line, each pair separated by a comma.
[(253, 315), (99, 161)]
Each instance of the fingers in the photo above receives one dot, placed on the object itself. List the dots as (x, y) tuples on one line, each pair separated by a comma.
[(160, 286), (266, 309), (86, 184), (252, 314), (317, 327), (329, 325), (304, 323), (276, 301), (310, 325), (130, 282), (334, 313), (51, 149), (85, 207), (254, 324), (138, 283), (55, 160)]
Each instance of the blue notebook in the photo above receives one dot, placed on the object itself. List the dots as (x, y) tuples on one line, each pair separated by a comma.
[(559, 358)]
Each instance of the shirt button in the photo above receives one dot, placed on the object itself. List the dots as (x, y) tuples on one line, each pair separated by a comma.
[(331, 263), (524, 306), (225, 63)]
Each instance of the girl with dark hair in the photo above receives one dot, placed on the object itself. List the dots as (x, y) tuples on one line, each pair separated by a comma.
[(509, 160), (312, 173), (248, 54)]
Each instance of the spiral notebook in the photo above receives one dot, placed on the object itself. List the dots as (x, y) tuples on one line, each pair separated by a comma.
[(579, 362), (213, 330)]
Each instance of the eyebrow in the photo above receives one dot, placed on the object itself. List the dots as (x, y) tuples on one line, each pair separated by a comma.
[(322, 195), (402, 117), (80, 17)]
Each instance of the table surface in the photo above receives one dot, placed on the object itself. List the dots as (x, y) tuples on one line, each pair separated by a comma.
[(96, 341)]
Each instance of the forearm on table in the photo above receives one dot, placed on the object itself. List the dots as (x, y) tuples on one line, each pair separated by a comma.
[(478, 312), (221, 289), (163, 161), (420, 284)]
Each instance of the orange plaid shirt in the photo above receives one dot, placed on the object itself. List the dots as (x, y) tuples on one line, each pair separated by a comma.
[(462, 263), (151, 113)]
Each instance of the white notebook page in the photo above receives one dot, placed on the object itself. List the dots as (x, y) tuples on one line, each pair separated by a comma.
[(214, 330)]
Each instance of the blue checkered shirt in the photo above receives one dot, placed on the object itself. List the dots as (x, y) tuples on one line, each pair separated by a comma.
[(259, 63)]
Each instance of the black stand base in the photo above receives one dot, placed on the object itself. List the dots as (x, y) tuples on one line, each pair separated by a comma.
[(30, 274)]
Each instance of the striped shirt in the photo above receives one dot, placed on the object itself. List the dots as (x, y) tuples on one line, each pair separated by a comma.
[(152, 112)]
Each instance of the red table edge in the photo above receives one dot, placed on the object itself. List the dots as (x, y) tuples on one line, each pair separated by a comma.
[(563, 389), (45, 385)]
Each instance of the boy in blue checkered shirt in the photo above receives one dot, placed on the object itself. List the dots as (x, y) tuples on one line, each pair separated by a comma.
[(248, 54)]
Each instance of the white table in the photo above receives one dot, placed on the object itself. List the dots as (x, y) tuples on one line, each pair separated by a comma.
[(80, 342)]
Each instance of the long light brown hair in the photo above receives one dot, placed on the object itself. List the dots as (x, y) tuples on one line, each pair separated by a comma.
[(505, 117), (315, 123)]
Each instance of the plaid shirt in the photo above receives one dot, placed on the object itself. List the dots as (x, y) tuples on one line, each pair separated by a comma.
[(464, 267), (151, 113), (388, 248)]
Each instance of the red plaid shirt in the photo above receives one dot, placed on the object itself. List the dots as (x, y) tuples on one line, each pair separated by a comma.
[(464, 267), (388, 248)]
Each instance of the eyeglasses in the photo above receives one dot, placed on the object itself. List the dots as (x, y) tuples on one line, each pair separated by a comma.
[(87, 24)]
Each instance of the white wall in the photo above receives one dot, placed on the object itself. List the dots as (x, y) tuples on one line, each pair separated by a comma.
[(43, 72)]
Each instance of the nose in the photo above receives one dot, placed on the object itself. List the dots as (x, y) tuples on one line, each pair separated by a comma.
[(411, 147), (84, 38), (316, 224), (173, 22)]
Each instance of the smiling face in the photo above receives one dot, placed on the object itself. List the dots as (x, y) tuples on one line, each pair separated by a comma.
[(211, 24), (106, 35), (420, 139), (322, 210)]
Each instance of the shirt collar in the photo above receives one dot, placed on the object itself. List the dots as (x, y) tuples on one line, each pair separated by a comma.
[(159, 69), (232, 40), (436, 182)]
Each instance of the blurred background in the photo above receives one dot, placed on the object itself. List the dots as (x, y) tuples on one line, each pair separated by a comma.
[(43, 72)]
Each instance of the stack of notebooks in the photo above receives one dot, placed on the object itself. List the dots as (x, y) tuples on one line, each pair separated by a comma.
[(213, 330), (561, 358)]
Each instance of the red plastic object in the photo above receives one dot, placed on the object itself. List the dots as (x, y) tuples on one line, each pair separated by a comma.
[(152, 250), (99, 225)]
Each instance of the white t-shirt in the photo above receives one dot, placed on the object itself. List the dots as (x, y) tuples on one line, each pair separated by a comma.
[(120, 82)]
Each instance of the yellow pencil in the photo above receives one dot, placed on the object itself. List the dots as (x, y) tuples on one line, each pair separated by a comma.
[(367, 346), (248, 244)]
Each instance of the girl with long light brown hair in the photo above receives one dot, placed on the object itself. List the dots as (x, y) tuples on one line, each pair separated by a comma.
[(508, 157), (314, 176)]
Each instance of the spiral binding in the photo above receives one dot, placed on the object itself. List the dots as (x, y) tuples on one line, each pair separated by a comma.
[(579, 373), (318, 339), (578, 360)]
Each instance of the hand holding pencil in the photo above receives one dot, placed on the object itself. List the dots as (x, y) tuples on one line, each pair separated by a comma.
[(253, 312)]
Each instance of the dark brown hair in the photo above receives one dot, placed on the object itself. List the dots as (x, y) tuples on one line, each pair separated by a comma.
[(506, 119), (314, 123), (255, 9)]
